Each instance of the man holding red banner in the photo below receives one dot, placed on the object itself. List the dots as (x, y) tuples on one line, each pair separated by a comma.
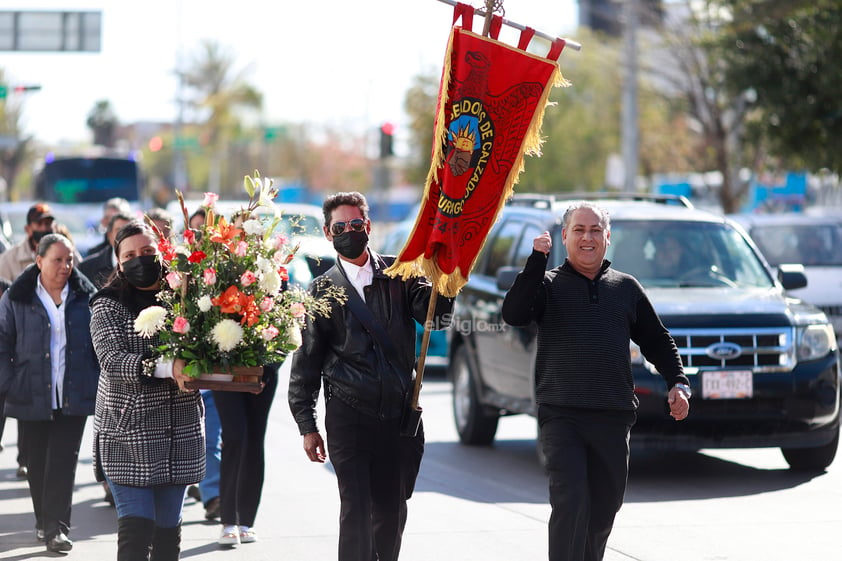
[(587, 313), (364, 353)]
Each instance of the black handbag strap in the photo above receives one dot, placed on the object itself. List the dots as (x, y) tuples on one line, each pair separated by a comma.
[(359, 309)]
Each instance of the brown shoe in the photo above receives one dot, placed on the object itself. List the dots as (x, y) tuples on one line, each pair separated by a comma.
[(212, 510)]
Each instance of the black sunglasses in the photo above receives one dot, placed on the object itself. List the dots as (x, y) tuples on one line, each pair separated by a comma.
[(338, 228)]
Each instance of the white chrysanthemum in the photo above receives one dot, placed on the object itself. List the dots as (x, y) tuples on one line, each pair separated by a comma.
[(150, 321), (253, 227), (270, 282), (294, 336), (227, 334), (204, 303), (263, 264)]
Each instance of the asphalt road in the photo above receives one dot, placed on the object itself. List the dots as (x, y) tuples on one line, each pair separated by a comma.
[(485, 504)]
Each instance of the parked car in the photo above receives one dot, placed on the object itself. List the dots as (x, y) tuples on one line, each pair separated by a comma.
[(80, 219), (763, 366), (813, 241)]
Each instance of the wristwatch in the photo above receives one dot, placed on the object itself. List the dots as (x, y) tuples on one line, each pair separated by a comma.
[(684, 388)]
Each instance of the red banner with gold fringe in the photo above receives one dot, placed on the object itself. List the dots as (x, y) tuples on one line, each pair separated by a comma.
[(490, 108)]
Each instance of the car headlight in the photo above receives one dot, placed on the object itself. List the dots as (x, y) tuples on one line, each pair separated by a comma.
[(815, 341)]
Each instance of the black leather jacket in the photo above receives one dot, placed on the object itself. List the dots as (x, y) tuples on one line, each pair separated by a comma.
[(354, 368)]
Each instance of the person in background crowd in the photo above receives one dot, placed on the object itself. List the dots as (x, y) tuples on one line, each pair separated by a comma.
[(99, 266), (244, 417), (207, 491), (4, 286), (587, 313), (366, 385), (48, 374), (197, 219), (162, 219), (40, 221), (150, 452), (114, 205)]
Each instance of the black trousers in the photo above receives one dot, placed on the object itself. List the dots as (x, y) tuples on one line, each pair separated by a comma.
[(21, 440), (53, 453), (244, 417), (376, 469), (587, 455)]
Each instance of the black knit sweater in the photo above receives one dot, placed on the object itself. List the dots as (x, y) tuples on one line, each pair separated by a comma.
[(584, 331)]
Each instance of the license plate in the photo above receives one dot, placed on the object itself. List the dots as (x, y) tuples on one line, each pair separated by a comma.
[(729, 384)]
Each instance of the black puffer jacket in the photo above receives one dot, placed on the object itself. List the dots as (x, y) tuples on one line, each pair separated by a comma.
[(339, 349), (25, 364)]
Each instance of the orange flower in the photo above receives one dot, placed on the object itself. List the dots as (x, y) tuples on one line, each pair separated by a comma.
[(250, 310), (230, 301), (224, 233)]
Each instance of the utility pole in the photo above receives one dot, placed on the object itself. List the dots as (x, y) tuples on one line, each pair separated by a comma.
[(630, 131)]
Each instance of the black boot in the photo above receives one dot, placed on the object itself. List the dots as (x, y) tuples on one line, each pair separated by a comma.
[(134, 538), (166, 544)]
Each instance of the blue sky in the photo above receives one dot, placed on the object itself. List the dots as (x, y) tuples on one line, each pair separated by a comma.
[(314, 61)]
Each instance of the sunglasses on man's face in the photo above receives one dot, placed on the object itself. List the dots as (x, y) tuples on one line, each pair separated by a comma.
[(338, 228)]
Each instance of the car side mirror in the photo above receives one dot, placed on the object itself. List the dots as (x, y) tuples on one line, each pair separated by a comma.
[(506, 277), (792, 276)]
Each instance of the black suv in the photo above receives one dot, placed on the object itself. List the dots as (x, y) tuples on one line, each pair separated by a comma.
[(764, 367)]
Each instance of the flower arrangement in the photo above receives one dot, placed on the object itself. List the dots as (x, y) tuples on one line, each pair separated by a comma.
[(225, 300)]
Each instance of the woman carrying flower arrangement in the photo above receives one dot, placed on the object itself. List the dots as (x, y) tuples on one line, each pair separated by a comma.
[(226, 304), (148, 438)]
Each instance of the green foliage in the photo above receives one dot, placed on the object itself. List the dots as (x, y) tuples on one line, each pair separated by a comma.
[(583, 129), (788, 55)]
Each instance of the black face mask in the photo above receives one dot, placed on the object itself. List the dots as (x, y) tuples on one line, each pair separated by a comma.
[(35, 237), (143, 271), (351, 244)]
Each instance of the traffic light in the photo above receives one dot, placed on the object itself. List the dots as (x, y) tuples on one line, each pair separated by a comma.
[(155, 144), (387, 130), (5, 89)]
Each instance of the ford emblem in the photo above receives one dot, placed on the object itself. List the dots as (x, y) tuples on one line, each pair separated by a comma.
[(724, 351)]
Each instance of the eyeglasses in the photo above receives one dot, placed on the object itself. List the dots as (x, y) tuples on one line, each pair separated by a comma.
[(357, 225)]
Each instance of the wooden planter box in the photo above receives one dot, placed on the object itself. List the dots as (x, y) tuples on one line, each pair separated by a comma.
[(238, 379)]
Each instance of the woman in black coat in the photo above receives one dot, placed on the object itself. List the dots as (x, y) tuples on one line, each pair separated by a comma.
[(49, 374)]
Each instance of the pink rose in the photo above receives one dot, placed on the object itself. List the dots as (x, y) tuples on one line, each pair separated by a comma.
[(180, 325), (266, 304), (248, 278), (297, 310), (210, 199), (241, 249), (269, 333), (189, 236), (173, 279), (209, 275), (280, 241)]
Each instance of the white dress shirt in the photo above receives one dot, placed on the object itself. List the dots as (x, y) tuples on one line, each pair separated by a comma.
[(359, 276), (58, 338)]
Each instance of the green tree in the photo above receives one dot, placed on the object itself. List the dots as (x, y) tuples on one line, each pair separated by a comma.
[(583, 129), (420, 106), (787, 54), (216, 92), (102, 120), (16, 150)]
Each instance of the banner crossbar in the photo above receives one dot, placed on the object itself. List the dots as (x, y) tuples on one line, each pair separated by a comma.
[(481, 11)]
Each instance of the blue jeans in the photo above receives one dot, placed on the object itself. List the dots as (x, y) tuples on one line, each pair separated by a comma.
[(209, 486), (161, 504)]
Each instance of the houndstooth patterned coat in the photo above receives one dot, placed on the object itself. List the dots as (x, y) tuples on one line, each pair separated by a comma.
[(146, 432)]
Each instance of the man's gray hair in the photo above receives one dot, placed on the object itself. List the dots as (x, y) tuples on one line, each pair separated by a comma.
[(604, 219)]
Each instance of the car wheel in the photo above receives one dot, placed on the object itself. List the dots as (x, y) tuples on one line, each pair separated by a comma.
[(812, 459), (473, 423)]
